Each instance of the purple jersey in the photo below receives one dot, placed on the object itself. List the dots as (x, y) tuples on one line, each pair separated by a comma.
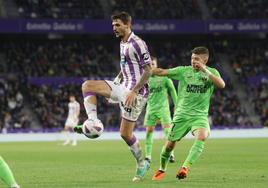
[(134, 55)]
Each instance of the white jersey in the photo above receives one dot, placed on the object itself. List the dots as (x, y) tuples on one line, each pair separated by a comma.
[(74, 109), (134, 55)]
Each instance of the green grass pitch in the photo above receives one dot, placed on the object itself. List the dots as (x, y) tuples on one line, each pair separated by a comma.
[(224, 163)]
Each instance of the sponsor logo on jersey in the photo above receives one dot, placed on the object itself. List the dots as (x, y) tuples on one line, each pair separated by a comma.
[(192, 88)]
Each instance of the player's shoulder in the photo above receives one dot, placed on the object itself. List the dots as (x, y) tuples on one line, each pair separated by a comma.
[(136, 39), (188, 67), (212, 69)]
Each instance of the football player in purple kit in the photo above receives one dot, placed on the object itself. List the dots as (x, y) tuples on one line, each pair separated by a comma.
[(129, 89)]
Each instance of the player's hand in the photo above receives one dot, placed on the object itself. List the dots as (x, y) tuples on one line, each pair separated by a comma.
[(130, 99), (200, 66)]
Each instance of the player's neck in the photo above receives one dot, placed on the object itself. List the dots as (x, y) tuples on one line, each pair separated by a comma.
[(125, 38)]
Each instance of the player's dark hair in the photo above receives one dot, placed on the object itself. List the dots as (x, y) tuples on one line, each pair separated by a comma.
[(200, 50), (123, 16)]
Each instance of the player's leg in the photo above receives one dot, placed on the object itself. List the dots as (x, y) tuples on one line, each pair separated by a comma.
[(6, 174), (66, 132), (90, 89), (149, 122), (166, 129), (149, 142), (165, 119), (200, 135), (164, 159), (73, 135), (126, 131), (177, 132)]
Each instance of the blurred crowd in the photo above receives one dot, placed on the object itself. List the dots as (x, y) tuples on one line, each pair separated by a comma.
[(159, 9), (140, 9), (250, 64), (76, 58), (12, 115), (249, 59), (60, 9), (226, 110), (260, 99), (50, 103), (72, 58), (238, 9)]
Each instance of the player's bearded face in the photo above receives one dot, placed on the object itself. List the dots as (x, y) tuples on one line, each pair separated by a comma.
[(119, 28)]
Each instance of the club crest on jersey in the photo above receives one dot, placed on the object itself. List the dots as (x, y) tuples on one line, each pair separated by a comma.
[(145, 56)]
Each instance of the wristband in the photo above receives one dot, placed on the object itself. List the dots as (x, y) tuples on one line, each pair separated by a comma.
[(207, 72)]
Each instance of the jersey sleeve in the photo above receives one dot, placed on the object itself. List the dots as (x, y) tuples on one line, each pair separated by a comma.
[(175, 73), (172, 91), (142, 52), (215, 72)]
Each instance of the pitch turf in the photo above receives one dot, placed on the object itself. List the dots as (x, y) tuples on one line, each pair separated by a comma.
[(224, 163)]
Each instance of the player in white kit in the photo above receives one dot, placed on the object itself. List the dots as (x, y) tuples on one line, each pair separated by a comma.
[(129, 89), (72, 120)]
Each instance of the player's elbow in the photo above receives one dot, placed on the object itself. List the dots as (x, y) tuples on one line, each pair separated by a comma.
[(148, 70), (221, 85)]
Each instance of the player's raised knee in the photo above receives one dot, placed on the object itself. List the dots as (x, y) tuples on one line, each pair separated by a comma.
[(88, 86), (202, 137)]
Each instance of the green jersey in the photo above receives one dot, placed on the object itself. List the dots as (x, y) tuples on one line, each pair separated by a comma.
[(158, 93), (194, 91)]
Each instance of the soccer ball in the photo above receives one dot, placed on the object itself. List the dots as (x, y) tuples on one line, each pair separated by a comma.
[(92, 128)]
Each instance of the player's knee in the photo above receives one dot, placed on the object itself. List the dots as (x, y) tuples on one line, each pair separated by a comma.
[(202, 137), (170, 146), (150, 129), (87, 86)]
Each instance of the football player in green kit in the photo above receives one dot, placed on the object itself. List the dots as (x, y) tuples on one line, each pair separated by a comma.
[(158, 109), (196, 85), (6, 174)]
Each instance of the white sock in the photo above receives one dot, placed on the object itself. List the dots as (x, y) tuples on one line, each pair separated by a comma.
[(137, 153), (67, 136), (91, 109), (74, 137)]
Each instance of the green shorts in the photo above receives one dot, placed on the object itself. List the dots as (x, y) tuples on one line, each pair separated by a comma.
[(151, 118), (181, 126)]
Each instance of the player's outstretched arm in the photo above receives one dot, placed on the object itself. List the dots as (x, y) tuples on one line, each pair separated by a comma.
[(216, 80), (172, 91), (160, 72), (144, 78)]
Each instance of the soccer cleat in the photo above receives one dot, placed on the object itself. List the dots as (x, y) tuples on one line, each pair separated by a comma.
[(15, 186), (182, 173), (159, 175), (172, 159), (141, 170), (78, 129), (66, 143)]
